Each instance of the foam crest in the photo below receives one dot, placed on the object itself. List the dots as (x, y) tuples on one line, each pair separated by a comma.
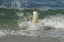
[(18, 32), (20, 14), (56, 21), (28, 25), (1, 33), (15, 4)]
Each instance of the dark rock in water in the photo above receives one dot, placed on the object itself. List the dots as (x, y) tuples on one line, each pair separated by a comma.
[(47, 27)]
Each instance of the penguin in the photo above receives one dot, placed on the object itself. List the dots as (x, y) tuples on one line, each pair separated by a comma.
[(34, 16)]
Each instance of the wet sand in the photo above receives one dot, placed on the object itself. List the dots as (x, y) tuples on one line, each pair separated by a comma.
[(20, 38)]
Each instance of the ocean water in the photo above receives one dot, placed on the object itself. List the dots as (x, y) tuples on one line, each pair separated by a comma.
[(14, 14)]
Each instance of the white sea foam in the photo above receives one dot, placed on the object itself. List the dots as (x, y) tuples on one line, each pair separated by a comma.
[(43, 33), (30, 26), (56, 21), (15, 4), (17, 32), (20, 14), (1, 33)]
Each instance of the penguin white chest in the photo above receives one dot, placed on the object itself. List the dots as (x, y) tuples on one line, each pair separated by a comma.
[(35, 17)]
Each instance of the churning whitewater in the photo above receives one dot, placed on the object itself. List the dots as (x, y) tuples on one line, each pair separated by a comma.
[(48, 22)]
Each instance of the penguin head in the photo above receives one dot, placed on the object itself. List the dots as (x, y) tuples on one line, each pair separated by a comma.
[(35, 9)]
